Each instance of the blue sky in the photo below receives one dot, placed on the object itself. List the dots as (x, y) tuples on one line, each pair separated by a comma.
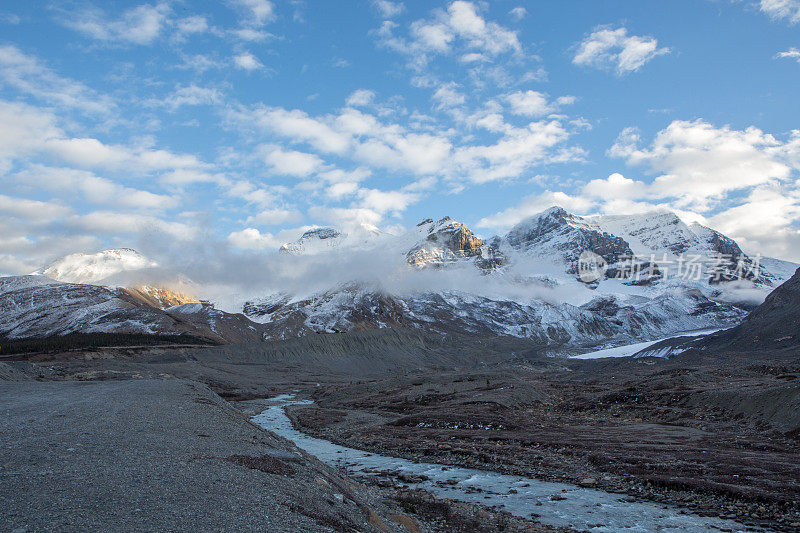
[(242, 123)]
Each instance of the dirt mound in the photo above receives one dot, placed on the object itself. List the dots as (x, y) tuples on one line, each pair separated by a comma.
[(773, 325)]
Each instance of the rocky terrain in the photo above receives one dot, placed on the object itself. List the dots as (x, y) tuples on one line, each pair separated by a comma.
[(716, 435), (524, 284), (660, 276), (164, 455), (38, 307)]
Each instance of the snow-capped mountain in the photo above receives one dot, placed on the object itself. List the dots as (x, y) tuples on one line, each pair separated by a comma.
[(615, 309), (556, 234), (320, 240), (313, 241), (448, 241), (438, 276), (95, 268), (37, 306), (603, 321), (118, 268)]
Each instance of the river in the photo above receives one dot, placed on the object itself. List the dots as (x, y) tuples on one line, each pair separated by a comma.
[(557, 504)]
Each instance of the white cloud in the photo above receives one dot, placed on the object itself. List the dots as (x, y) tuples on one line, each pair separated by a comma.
[(386, 201), (191, 25), (259, 12), (515, 152), (609, 48), (387, 9), (28, 75), (767, 222), (23, 130), (291, 162), (360, 97), (93, 188), (187, 176), (782, 9), (252, 34), (615, 187), (346, 219), (138, 25), (247, 61), (791, 53), (518, 13), (200, 63), (459, 25), (531, 205), (31, 210), (295, 124), (698, 164), (270, 217), (420, 153), (341, 189), (448, 95), (118, 224), (190, 95), (92, 153), (534, 103), (252, 239)]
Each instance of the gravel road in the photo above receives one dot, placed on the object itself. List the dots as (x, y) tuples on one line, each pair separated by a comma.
[(159, 455)]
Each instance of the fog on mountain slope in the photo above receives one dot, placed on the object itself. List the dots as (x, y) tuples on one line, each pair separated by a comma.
[(441, 277), (94, 268), (524, 283)]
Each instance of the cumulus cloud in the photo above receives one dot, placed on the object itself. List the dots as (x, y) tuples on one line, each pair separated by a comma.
[(448, 95), (518, 13), (270, 217), (386, 201), (138, 25), (698, 163), (95, 189), (247, 61), (252, 239), (387, 9), (532, 205), (360, 97), (130, 224), (607, 48), (191, 25), (259, 12), (369, 141), (460, 25), (189, 95), (534, 103), (31, 210), (291, 162)]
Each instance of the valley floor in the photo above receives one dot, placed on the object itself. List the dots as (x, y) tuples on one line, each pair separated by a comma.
[(716, 436)]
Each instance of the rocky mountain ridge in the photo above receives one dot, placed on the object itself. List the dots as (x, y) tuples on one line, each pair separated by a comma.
[(615, 309), (523, 284), (37, 306)]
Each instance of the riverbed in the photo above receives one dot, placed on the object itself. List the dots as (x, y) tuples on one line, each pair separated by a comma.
[(557, 504)]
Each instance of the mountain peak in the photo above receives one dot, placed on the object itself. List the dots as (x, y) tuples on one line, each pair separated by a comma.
[(93, 268), (444, 241), (313, 240)]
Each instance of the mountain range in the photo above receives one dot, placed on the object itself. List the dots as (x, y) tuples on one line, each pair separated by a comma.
[(651, 276)]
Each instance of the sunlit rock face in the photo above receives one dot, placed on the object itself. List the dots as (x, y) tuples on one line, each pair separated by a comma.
[(448, 241)]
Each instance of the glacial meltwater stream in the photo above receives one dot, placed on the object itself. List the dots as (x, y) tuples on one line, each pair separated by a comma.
[(557, 504)]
